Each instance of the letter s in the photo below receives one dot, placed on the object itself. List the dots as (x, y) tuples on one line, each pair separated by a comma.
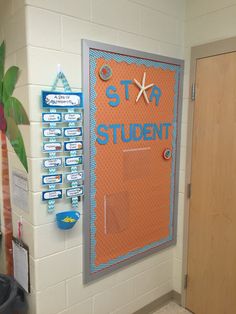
[(102, 134), (116, 101)]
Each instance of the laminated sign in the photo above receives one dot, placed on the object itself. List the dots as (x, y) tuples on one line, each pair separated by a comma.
[(131, 152)]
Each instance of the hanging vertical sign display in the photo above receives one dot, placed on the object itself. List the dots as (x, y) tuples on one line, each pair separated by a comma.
[(62, 142), (133, 112)]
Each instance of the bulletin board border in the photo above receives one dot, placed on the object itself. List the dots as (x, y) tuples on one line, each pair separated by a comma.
[(89, 275)]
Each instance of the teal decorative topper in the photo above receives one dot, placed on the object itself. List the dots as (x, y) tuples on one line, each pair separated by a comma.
[(12, 112)]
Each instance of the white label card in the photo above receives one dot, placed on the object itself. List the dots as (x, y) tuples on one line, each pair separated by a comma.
[(75, 192), (52, 132), (74, 176), (72, 117), (68, 146), (52, 146), (52, 163)]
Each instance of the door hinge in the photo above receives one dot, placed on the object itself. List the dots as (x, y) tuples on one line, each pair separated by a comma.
[(189, 192), (186, 281), (193, 92)]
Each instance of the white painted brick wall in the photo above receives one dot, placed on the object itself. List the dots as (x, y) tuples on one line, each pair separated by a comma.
[(50, 32)]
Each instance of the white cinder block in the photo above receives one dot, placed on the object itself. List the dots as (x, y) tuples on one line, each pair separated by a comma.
[(6, 11), (184, 129), (43, 28), (21, 93), (185, 105), (143, 265), (43, 67), (114, 298), (171, 50), (153, 278), (36, 140), (53, 299), (145, 299), (219, 24), (22, 63), (74, 236), (133, 41), (77, 8), (58, 267), (201, 7), (175, 8), (121, 14), (182, 158), (73, 30), (14, 32), (177, 275), (31, 301), (10, 60), (78, 292), (153, 23), (17, 5), (85, 307), (182, 182), (48, 240)]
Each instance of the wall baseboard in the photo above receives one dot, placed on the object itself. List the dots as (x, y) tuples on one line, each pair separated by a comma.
[(160, 302)]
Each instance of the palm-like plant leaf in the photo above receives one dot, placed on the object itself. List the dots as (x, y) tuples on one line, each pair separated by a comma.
[(14, 109), (16, 140), (9, 82)]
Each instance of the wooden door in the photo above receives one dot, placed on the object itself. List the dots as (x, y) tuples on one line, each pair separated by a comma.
[(212, 221)]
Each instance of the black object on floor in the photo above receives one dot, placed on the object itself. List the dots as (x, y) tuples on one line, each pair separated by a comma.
[(12, 297)]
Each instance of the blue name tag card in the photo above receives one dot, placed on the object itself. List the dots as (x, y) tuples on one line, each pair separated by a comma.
[(52, 179), (62, 100), (52, 132), (76, 145), (73, 161), (74, 176), (51, 195), (52, 163), (49, 147), (75, 192), (71, 132), (51, 117), (72, 117)]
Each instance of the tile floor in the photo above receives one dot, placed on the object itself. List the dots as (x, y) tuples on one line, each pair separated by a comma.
[(172, 308)]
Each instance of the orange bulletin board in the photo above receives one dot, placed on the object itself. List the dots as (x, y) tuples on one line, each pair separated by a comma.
[(132, 119)]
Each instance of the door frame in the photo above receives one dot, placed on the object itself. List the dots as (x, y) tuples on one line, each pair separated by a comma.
[(197, 52)]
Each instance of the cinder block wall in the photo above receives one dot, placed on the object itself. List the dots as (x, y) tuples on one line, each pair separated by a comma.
[(50, 32)]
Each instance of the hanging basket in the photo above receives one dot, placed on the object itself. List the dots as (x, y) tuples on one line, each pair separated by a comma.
[(67, 220)]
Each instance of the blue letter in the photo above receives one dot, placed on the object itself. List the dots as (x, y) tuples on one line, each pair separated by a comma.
[(156, 92), (157, 131), (139, 126), (103, 134), (114, 127), (126, 83), (125, 140), (167, 131), (147, 131), (115, 102)]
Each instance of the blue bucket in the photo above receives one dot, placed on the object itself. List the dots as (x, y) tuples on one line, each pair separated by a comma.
[(67, 220)]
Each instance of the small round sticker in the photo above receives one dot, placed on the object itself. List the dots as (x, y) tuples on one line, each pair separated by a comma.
[(167, 154), (105, 72)]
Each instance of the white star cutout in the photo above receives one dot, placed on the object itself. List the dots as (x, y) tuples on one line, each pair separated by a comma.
[(143, 88)]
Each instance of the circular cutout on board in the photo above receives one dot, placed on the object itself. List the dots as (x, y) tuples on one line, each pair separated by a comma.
[(105, 72), (167, 154)]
